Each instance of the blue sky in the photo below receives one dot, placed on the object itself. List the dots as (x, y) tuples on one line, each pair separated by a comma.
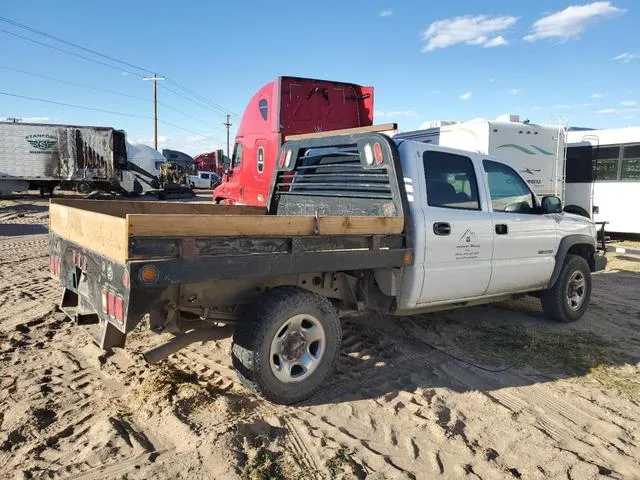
[(451, 60)]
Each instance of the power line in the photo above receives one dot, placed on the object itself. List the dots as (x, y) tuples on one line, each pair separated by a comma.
[(111, 112), (97, 89), (71, 44), (68, 52), (189, 99), (102, 55)]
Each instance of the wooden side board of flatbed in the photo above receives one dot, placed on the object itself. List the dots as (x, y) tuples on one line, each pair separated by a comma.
[(106, 228)]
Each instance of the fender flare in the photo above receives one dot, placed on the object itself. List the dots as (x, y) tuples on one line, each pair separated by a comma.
[(565, 244)]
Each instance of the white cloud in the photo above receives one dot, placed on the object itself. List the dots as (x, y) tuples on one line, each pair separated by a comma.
[(598, 95), (571, 21), (628, 103), (563, 106), (435, 92), (465, 96), (479, 30), (590, 104), (386, 13), (617, 111), (124, 74), (628, 117), (514, 91), (400, 113), (31, 119), (536, 108), (495, 42), (627, 57)]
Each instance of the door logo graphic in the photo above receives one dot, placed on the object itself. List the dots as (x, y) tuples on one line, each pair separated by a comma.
[(468, 247), (531, 171), (41, 143)]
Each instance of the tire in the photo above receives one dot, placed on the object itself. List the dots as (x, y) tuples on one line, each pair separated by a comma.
[(84, 187), (286, 365), (561, 304)]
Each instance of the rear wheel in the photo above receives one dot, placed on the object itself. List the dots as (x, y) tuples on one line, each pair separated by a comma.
[(289, 345), (568, 300)]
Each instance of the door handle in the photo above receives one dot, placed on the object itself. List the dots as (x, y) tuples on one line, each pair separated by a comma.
[(441, 228), (502, 229)]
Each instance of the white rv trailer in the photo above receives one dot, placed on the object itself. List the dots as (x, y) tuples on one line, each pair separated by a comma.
[(604, 165), (538, 152)]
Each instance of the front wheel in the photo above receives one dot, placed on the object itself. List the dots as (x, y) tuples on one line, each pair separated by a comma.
[(568, 300), (288, 346)]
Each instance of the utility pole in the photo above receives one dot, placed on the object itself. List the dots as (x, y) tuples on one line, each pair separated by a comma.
[(13, 119), (155, 79), (228, 125)]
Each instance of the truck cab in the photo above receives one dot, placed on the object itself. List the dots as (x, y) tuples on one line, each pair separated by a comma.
[(480, 230), (286, 106)]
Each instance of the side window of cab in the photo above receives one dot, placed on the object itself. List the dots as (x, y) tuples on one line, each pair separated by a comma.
[(237, 155), (451, 181), (509, 192)]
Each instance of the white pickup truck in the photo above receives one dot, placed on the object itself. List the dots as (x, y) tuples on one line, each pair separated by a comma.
[(356, 222)]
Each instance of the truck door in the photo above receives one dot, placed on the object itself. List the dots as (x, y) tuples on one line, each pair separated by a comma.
[(525, 242), (254, 192), (459, 231)]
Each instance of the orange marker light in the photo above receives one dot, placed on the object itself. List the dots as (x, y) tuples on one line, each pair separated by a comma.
[(149, 274)]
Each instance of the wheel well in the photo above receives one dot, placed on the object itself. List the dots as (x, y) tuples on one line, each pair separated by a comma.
[(577, 210), (585, 251)]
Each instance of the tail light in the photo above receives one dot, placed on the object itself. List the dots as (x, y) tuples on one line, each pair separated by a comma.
[(119, 309), (105, 301), (377, 153), (55, 265), (111, 301), (368, 155)]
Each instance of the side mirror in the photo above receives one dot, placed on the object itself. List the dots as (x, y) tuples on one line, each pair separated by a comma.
[(551, 204)]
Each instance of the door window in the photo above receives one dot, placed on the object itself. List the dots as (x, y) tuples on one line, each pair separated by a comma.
[(204, 176), (260, 162), (509, 192), (451, 181)]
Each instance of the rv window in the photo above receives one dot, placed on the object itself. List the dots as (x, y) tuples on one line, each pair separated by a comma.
[(630, 163), (263, 106), (451, 181), (159, 165), (204, 176), (237, 155), (509, 192), (260, 163), (605, 163)]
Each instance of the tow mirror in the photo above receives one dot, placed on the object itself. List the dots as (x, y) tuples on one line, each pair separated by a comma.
[(551, 204)]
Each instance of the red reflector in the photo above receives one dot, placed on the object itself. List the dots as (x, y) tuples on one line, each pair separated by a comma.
[(283, 154), (75, 258), (111, 300), (52, 264), (377, 153), (119, 309), (105, 305), (125, 279)]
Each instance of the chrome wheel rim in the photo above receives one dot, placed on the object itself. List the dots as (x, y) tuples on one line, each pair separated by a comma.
[(297, 348), (576, 290)]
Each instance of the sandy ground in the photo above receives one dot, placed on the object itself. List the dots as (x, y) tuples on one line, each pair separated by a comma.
[(492, 392)]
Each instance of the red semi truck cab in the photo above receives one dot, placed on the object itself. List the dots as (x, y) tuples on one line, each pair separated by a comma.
[(287, 106)]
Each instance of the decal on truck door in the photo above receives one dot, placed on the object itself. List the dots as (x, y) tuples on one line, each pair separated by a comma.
[(468, 248)]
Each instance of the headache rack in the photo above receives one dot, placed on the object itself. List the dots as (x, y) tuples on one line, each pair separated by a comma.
[(338, 174)]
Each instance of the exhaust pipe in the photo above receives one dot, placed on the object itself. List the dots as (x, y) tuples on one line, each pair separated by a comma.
[(157, 354)]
